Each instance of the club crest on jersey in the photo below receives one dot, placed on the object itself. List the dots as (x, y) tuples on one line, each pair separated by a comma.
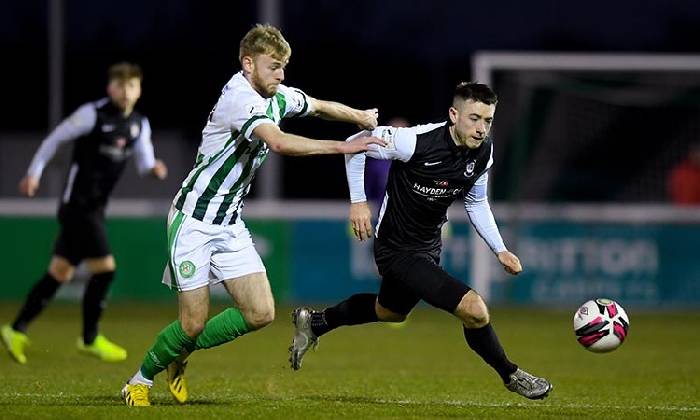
[(134, 130), (469, 172)]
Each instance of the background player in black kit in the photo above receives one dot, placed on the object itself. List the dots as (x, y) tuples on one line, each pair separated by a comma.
[(106, 133), (432, 165)]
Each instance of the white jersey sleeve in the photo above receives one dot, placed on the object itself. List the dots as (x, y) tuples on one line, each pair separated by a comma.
[(355, 172), (78, 124), (241, 110), (400, 145), (143, 149), (478, 210), (293, 102)]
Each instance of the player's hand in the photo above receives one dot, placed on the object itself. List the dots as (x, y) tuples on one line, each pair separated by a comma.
[(511, 263), (368, 119), (28, 186), (360, 144), (159, 170), (361, 220)]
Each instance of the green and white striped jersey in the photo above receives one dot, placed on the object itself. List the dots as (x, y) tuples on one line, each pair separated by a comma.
[(229, 153)]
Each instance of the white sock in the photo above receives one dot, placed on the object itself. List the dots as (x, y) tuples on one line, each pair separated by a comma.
[(139, 379)]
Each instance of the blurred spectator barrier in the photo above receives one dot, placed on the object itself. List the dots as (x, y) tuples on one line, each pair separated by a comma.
[(643, 255)]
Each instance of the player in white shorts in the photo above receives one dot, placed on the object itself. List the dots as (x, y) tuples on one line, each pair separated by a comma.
[(207, 254), (207, 240)]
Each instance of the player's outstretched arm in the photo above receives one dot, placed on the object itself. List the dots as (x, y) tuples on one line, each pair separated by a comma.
[(79, 123), (293, 145), (335, 111)]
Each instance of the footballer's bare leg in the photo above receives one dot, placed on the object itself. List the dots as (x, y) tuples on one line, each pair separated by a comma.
[(193, 310), (481, 337), (173, 343), (193, 314), (101, 264), (252, 296), (61, 269)]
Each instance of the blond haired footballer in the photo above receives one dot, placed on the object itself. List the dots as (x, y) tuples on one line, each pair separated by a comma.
[(207, 239)]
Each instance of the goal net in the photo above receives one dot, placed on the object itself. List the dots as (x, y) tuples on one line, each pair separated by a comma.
[(586, 128), (591, 128)]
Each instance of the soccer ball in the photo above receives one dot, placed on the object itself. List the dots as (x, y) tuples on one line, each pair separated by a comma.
[(601, 325)]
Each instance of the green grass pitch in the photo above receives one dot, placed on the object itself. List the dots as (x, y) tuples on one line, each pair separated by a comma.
[(421, 370)]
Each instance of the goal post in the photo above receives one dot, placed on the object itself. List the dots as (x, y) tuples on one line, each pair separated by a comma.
[(485, 64)]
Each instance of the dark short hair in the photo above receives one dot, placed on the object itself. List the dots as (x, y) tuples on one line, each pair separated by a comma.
[(477, 92), (124, 71)]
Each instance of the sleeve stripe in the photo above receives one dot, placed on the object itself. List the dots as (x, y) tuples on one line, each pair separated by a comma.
[(305, 107), (306, 103), (247, 124)]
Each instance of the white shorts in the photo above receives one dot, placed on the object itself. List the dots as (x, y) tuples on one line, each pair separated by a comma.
[(200, 254)]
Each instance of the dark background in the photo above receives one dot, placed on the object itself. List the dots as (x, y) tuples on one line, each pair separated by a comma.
[(403, 57)]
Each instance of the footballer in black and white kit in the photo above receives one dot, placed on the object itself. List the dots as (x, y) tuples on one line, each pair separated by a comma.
[(104, 138), (105, 133), (432, 166), (428, 174)]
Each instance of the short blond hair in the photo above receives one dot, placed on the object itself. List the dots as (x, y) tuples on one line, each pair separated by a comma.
[(265, 39)]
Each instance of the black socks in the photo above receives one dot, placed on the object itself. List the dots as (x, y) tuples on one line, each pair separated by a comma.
[(44, 290), (357, 309), (94, 303), (40, 296), (485, 343)]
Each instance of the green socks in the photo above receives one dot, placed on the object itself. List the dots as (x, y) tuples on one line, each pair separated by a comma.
[(170, 343), (172, 340), (222, 328)]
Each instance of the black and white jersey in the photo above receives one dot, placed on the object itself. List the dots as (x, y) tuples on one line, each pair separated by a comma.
[(104, 139), (428, 173)]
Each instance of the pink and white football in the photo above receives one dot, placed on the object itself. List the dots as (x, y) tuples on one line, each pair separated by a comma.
[(601, 325)]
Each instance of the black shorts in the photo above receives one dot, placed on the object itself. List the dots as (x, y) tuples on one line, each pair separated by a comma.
[(408, 277), (82, 235)]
